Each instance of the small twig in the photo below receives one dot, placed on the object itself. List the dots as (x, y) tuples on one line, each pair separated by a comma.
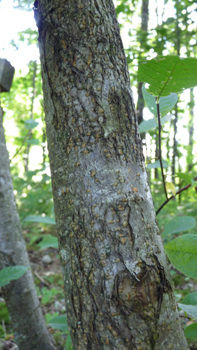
[(160, 157), (4, 328), (41, 279), (179, 191), (21, 145)]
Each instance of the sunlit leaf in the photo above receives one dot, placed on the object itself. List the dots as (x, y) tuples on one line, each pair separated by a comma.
[(170, 187), (152, 123), (30, 124), (166, 103), (179, 224), (33, 142), (168, 74), (182, 252), (185, 177), (11, 273), (157, 164), (147, 125), (41, 219)]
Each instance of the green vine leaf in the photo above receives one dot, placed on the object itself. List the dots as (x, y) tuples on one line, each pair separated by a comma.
[(168, 74)]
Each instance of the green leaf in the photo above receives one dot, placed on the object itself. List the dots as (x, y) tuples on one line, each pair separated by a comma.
[(59, 322), (49, 295), (185, 177), (157, 164), (189, 309), (68, 341), (166, 104), (191, 331), (147, 125), (11, 273), (49, 241), (41, 219), (30, 124), (179, 224), (167, 74), (152, 123), (190, 299), (182, 252), (165, 119), (33, 142), (170, 187)]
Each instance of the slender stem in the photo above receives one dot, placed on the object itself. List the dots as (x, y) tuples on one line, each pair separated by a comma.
[(179, 191), (160, 157), (25, 138)]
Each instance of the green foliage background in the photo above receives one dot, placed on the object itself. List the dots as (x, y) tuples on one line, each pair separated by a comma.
[(173, 33)]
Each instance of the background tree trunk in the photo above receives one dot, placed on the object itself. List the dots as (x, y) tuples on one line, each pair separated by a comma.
[(20, 295), (117, 285), (144, 28)]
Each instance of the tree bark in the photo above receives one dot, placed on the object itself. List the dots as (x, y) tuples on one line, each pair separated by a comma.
[(20, 295), (144, 28), (190, 162), (117, 285)]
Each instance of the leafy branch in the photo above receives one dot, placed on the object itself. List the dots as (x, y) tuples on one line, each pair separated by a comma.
[(166, 76), (29, 124)]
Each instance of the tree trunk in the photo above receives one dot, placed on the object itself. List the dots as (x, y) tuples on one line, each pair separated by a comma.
[(174, 156), (190, 155), (144, 28), (20, 295), (117, 285), (27, 151)]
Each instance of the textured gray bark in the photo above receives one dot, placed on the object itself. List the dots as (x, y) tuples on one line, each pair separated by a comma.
[(117, 285), (21, 299)]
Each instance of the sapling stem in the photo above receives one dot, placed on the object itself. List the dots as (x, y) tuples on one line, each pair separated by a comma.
[(160, 157), (179, 191)]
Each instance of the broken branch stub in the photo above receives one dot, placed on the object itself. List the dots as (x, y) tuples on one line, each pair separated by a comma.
[(6, 75)]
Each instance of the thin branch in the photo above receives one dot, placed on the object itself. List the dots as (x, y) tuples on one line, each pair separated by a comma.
[(41, 279), (160, 157), (25, 138), (179, 191)]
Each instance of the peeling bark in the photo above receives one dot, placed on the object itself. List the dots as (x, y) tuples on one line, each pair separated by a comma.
[(117, 285), (20, 295)]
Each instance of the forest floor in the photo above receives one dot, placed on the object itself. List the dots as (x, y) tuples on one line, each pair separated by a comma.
[(48, 279)]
